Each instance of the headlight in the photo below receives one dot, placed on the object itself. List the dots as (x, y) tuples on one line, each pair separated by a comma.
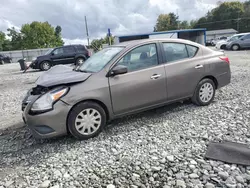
[(34, 58), (46, 101)]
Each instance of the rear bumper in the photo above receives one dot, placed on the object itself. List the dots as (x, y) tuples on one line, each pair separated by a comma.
[(224, 79)]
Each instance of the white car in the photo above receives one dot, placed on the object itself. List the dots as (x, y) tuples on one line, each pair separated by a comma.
[(221, 45)]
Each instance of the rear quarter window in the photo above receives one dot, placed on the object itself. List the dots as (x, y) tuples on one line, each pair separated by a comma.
[(192, 50)]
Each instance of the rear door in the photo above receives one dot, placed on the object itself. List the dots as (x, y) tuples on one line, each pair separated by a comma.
[(184, 69), (57, 56), (69, 54), (144, 84)]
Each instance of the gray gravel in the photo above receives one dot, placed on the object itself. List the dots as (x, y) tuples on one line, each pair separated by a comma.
[(159, 148)]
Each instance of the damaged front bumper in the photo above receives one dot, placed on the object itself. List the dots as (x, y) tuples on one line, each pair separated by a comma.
[(48, 124)]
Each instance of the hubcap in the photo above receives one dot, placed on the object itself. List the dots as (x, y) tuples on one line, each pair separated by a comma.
[(88, 121), (46, 66), (235, 47), (80, 61), (206, 92)]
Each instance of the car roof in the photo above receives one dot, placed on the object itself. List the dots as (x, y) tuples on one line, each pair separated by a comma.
[(241, 34), (142, 41)]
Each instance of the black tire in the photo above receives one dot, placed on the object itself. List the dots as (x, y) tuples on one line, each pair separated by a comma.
[(223, 47), (74, 113), (79, 61), (45, 65), (196, 99), (235, 47)]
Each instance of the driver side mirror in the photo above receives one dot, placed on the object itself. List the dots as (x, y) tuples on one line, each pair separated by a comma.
[(242, 39), (120, 69), (52, 53)]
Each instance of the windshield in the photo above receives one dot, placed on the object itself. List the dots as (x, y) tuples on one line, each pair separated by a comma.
[(48, 52), (96, 62)]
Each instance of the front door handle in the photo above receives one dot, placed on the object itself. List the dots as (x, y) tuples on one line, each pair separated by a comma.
[(155, 76), (199, 66)]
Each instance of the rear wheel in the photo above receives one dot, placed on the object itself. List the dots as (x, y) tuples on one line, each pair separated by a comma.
[(86, 120), (79, 61), (235, 47), (45, 65), (204, 93)]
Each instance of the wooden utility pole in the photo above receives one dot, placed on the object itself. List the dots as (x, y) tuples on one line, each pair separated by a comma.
[(86, 25)]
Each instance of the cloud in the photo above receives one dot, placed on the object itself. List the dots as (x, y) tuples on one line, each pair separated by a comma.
[(121, 16)]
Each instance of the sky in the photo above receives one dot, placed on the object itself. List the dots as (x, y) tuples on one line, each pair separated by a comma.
[(121, 16)]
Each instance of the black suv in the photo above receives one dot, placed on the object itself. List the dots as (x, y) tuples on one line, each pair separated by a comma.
[(62, 55)]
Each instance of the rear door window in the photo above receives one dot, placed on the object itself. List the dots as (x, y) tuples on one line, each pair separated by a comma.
[(80, 48), (69, 50), (175, 51)]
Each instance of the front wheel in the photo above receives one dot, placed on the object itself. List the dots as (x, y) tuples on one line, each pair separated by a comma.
[(79, 61), (204, 93), (223, 47), (86, 120), (45, 65), (235, 47)]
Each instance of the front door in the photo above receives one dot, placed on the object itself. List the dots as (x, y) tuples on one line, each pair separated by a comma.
[(245, 41), (57, 56), (143, 86), (184, 69)]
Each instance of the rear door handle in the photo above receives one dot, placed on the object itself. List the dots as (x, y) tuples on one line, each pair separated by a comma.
[(199, 66), (155, 76)]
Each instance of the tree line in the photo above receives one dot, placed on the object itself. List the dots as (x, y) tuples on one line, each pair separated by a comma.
[(31, 36), (226, 15)]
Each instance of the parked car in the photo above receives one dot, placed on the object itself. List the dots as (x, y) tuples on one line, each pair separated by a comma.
[(239, 43), (123, 79), (223, 43), (209, 42), (215, 41), (5, 59), (62, 55)]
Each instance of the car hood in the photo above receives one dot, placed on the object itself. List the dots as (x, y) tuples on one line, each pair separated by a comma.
[(222, 41), (61, 74), (43, 56)]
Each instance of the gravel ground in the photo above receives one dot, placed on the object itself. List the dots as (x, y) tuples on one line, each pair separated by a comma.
[(159, 148)]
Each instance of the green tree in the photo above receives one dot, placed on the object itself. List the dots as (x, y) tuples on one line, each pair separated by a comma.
[(96, 44), (223, 17), (184, 25), (58, 36), (166, 22), (41, 35), (2, 39), (16, 42)]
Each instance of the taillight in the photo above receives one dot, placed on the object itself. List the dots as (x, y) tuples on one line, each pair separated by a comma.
[(224, 58), (89, 53)]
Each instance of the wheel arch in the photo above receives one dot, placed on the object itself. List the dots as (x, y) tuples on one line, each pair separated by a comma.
[(91, 100), (213, 79), (81, 56)]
